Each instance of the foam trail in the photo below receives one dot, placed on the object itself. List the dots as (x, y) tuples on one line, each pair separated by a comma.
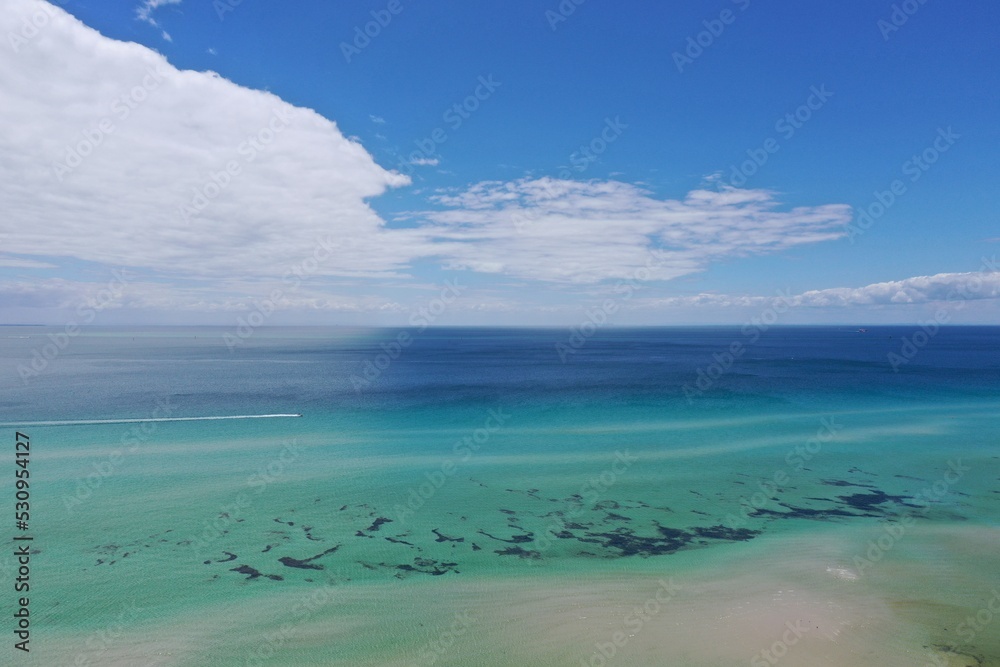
[(90, 422)]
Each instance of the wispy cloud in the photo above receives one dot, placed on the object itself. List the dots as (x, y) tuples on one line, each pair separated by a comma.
[(16, 263), (587, 232), (378, 120), (426, 162), (144, 12), (304, 188), (942, 287)]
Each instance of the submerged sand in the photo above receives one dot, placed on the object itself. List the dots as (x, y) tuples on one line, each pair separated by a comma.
[(795, 600)]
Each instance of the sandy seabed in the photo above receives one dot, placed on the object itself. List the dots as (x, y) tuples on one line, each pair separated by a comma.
[(793, 600)]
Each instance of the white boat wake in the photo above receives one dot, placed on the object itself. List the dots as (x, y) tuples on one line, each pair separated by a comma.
[(90, 422)]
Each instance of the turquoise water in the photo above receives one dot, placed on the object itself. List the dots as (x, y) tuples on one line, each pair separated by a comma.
[(478, 473)]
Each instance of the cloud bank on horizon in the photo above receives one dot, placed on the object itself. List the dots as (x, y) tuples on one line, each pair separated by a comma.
[(210, 193)]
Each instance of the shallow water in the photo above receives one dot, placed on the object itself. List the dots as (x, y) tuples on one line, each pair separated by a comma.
[(477, 483)]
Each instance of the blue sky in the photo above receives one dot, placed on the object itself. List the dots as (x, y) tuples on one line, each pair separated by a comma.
[(882, 90)]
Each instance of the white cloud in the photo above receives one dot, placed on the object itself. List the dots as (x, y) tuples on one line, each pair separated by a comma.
[(585, 232), (150, 139), (157, 135), (920, 289), (378, 120), (426, 162), (144, 12), (939, 288), (15, 263)]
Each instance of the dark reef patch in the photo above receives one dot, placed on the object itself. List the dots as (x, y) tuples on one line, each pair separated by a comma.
[(444, 538)]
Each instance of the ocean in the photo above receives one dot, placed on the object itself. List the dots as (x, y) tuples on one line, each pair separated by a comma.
[(684, 496)]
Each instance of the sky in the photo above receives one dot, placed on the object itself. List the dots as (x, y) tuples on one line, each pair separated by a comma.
[(493, 163)]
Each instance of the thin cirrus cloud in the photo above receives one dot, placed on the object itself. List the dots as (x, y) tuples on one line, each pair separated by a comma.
[(122, 160)]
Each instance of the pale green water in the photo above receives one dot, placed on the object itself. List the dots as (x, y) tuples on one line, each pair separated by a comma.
[(525, 521)]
